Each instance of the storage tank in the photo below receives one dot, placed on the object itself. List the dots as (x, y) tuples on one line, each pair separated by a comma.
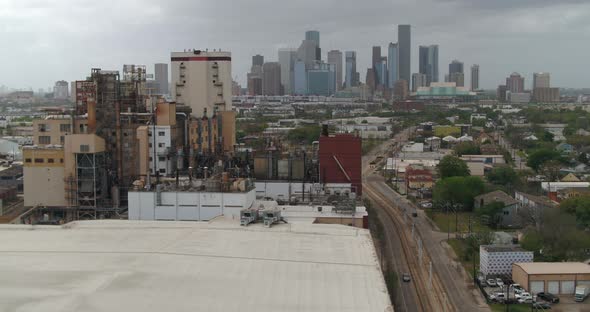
[(261, 168), (283, 169)]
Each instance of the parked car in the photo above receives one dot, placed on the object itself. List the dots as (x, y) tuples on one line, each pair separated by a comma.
[(491, 282), (499, 282), (406, 277), (541, 305), (426, 205), (524, 296), (548, 297), (499, 297)]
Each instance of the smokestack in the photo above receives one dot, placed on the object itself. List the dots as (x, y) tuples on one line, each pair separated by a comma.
[(91, 107), (325, 131)]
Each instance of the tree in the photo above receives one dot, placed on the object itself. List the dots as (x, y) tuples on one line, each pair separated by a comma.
[(537, 158), (503, 175), (458, 190), (306, 134), (466, 148), (492, 211), (579, 207), (452, 166), (547, 136)]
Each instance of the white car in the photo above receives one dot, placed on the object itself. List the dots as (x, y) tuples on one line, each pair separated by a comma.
[(499, 282), (491, 282), (523, 296), (498, 297)]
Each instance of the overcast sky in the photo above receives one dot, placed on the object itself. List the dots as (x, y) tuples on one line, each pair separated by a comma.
[(47, 40)]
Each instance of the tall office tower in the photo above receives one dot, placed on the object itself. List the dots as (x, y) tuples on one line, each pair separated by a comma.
[(392, 65), (370, 79), (321, 80), (375, 63), (335, 58), (376, 55), (254, 84), (314, 35), (456, 73), (257, 60), (541, 80), (381, 73), (287, 58), (455, 67), (458, 79), (405, 51), (474, 77), (299, 78), (352, 76), (202, 80), (307, 53), (60, 90), (271, 78), (418, 80), (161, 77), (515, 83), (428, 63)]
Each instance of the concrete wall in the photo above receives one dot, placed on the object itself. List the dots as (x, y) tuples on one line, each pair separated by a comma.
[(188, 206), (281, 190), (44, 186)]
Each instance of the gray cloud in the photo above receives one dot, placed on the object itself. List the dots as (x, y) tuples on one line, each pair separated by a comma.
[(52, 40)]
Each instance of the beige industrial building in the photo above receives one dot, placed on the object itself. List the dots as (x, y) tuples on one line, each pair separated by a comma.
[(53, 129), (559, 278)]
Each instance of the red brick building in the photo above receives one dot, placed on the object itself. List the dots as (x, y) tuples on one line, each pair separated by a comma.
[(340, 160)]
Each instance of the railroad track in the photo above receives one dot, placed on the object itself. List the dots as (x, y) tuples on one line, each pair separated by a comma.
[(437, 298)]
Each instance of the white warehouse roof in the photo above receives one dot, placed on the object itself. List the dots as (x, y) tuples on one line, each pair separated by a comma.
[(189, 266)]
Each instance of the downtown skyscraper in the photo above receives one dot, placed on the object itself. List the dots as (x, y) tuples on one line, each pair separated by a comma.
[(474, 77), (392, 64), (352, 76), (405, 51), (335, 58), (428, 63)]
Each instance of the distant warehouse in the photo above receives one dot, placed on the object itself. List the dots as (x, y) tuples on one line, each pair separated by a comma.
[(554, 277)]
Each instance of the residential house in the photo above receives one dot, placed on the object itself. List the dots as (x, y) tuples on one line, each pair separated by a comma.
[(565, 148), (509, 213), (534, 205), (581, 168), (570, 177), (582, 132)]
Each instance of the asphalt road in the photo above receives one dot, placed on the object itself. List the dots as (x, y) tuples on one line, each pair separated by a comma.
[(457, 290)]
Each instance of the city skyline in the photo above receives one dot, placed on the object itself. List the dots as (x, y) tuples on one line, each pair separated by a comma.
[(524, 26)]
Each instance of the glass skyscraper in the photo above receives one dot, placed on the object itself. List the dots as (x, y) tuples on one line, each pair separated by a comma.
[(352, 75), (405, 51), (392, 65), (428, 63)]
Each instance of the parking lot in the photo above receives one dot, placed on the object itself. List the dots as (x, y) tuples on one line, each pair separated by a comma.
[(566, 302)]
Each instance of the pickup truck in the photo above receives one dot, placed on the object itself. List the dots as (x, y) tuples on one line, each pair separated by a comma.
[(582, 292)]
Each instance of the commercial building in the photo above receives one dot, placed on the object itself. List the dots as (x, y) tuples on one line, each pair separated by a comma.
[(307, 53), (340, 160), (314, 35), (497, 260), (352, 76), (541, 80), (257, 60), (518, 97), (546, 95), (287, 58), (428, 63), (271, 79), (321, 80), (392, 64), (560, 278), (418, 80), (456, 73), (405, 52), (335, 59), (474, 77), (161, 78), (300, 78), (443, 90), (202, 81), (417, 177), (515, 83), (216, 266), (60, 90), (400, 89)]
